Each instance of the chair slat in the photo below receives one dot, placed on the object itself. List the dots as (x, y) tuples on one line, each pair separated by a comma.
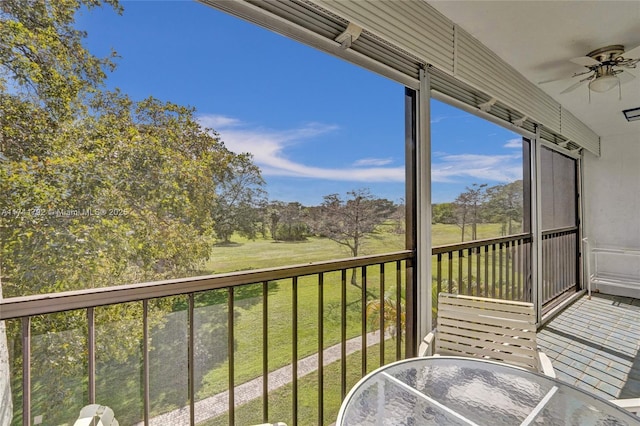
[(481, 310), (487, 328)]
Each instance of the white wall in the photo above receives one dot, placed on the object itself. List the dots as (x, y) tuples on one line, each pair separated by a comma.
[(612, 204)]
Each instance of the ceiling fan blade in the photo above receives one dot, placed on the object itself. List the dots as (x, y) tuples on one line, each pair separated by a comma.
[(551, 80), (574, 86), (625, 77), (632, 53), (585, 61)]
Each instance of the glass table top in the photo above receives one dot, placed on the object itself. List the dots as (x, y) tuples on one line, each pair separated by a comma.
[(466, 391)]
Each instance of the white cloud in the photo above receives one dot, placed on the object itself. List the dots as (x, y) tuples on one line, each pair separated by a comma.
[(217, 122), (366, 162), (513, 143), (497, 168), (269, 151)]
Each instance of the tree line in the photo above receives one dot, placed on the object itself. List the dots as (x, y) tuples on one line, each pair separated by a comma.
[(480, 203)]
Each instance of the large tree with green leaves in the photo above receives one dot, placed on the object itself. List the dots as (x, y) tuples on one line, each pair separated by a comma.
[(504, 205), (349, 221), (96, 189), (240, 198)]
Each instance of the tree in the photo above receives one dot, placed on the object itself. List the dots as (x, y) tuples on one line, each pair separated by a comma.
[(348, 222), (95, 188), (468, 208), (444, 213), (42, 55), (274, 213), (239, 198), (389, 309), (291, 224), (504, 205)]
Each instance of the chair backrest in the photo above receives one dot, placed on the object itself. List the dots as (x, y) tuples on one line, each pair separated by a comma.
[(96, 415), (500, 330)]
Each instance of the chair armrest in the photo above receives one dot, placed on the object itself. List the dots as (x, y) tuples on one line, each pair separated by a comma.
[(426, 346), (631, 404), (546, 367)]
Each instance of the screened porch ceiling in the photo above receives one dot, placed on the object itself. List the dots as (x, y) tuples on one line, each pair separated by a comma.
[(538, 37)]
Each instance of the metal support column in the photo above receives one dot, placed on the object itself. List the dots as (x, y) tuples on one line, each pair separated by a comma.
[(536, 227)]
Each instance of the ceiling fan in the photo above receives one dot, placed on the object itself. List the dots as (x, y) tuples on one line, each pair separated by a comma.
[(604, 69)]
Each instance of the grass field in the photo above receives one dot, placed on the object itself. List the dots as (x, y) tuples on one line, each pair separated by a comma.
[(170, 342), (242, 254)]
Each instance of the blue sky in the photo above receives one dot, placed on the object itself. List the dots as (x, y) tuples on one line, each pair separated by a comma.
[(315, 124)]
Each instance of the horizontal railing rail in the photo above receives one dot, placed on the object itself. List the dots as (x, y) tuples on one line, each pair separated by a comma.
[(479, 243), (16, 307)]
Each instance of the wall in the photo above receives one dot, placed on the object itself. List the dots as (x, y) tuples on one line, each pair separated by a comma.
[(612, 206)]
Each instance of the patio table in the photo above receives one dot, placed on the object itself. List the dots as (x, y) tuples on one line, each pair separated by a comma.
[(446, 390)]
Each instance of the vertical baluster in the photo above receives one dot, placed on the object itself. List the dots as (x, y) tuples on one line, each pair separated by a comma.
[(486, 270), (363, 319), (450, 271), (231, 355), (562, 265), (265, 351), (321, 348), (519, 268), (554, 261), (545, 273), (478, 260), (343, 337), (574, 259), (382, 311), (145, 360), (513, 270), (294, 350), (544, 269), (91, 361), (469, 268), (439, 273), (191, 365), (460, 287), (493, 270), (26, 371), (500, 266), (399, 329)]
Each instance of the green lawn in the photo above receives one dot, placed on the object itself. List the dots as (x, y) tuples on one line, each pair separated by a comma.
[(281, 402), (242, 254)]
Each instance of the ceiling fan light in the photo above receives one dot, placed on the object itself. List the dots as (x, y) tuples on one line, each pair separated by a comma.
[(604, 83)]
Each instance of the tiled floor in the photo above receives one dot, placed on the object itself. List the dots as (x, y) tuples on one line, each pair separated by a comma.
[(595, 345)]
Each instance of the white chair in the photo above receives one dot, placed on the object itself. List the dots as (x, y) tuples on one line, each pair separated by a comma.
[(494, 329), (96, 415)]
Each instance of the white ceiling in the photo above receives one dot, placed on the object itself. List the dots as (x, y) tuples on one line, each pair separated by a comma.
[(538, 37)]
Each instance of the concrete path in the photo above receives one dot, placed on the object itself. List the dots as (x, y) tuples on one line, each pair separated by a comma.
[(218, 404)]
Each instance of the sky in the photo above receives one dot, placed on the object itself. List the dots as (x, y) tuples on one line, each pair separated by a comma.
[(315, 124)]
